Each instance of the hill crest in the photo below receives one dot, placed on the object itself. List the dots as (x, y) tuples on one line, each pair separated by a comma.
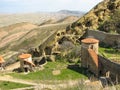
[(94, 17)]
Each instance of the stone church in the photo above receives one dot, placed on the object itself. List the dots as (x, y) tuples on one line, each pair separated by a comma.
[(98, 65), (89, 55)]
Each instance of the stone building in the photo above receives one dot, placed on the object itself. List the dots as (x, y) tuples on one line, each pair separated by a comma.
[(1, 63), (89, 57), (26, 63), (98, 65)]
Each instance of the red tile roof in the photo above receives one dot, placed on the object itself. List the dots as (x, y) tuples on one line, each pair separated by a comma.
[(1, 59), (90, 40), (94, 56), (24, 56)]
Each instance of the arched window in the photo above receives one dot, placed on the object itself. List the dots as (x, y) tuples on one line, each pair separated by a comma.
[(91, 46)]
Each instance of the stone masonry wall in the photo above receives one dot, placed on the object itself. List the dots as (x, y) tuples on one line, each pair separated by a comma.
[(109, 66), (106, 38)]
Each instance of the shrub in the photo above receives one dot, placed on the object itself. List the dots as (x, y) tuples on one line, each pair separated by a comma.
[(113, 24)]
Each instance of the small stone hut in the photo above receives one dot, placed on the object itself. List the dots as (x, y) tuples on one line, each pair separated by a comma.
[(89, 55), (1, 63), (26, 63)]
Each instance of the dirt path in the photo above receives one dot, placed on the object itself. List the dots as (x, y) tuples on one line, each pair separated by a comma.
[(13, 66), (11, 79), (26, 88)]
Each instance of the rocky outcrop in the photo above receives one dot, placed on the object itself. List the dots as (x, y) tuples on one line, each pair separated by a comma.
[(94, 17)]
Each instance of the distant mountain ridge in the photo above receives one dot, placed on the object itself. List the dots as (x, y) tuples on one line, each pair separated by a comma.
[(68, 19), (36, 18), (78, 13)]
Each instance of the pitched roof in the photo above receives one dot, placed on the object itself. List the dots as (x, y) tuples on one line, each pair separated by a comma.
[(1, 59), (94, 56), (90, 40), (24, 56)]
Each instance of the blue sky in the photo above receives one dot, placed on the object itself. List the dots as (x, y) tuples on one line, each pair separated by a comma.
[(19, 6)]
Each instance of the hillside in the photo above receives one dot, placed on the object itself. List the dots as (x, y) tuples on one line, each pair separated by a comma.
[(68, 19), (50, 21), (35, 18), (25, 35), (25, 31), (52, 37), (16, 28), (14, 32), (74, 13), (95, 17)]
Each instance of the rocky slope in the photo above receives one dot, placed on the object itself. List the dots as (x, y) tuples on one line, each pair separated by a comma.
[(94, 17)]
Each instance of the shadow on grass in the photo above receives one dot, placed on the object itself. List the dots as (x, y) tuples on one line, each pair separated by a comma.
[(78, 69), (112, 51)]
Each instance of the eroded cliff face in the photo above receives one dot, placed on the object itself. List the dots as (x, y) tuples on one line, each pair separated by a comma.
[(94, 17)]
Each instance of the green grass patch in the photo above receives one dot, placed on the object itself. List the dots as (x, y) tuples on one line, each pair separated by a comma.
[(46, 74), (109, 53), (6, 85)]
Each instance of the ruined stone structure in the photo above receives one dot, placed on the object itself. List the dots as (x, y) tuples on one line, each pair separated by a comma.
[(89, 51), (1, 63), (97, 64), (109, 69), (26, 63)]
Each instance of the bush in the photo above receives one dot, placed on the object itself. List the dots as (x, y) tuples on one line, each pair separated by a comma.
[(113, 24)]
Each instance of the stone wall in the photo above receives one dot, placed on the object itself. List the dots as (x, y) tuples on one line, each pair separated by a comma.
[(106, 38), (111, 67)]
